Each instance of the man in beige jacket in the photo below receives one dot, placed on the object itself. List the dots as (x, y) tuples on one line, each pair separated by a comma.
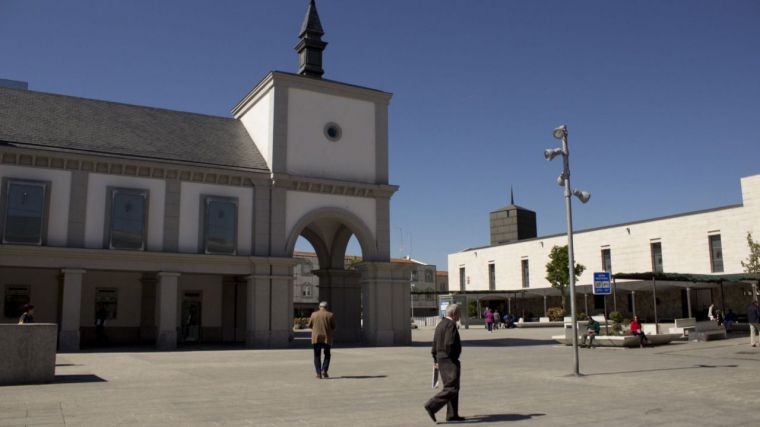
[(322, 324)]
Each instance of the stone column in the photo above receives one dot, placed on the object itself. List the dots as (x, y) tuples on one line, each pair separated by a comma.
[(167, 310), (71, 309), (688, 301), (269, 305), (385, 303), (342, 292), (546, 313), (148, 308)]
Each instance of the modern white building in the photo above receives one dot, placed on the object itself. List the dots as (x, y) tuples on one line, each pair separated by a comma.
[(182, 226), (709, 242)]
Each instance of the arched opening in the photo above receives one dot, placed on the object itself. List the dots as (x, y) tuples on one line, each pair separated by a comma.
[(328, 244)]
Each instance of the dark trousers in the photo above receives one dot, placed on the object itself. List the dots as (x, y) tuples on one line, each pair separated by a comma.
[(319, 365), (449, 396), (642, 338)]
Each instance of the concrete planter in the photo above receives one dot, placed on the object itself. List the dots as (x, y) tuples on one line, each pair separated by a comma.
[(27, 353)]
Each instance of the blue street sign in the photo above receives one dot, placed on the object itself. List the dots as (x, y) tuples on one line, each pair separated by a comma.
[(602, 283)]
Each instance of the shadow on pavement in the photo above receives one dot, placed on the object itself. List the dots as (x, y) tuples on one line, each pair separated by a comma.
[(496, 418), (77, 378), (660, 369), (358, 377), (507, 342)]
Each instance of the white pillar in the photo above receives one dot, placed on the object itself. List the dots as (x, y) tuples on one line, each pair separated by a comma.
[(385, 304), (688, 301), (269, 306), (166, 298), (71, 309)]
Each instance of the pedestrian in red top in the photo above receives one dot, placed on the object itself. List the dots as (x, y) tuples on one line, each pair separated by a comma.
[(636, 330)]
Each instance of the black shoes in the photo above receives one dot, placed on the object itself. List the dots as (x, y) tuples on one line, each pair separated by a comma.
[(324, 374), (431, 413), (455, 418)]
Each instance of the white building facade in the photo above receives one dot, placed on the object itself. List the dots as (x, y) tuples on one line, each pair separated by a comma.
[(182, 226), (712, 241)]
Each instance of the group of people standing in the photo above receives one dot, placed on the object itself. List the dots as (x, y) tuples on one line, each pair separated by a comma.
[(494, 320)]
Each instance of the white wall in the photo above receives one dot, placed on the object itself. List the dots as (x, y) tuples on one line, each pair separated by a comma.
[(60, 195), (300, 203), (684, 241), (258, 121), (189, 225), (97, 192), (310, 153)]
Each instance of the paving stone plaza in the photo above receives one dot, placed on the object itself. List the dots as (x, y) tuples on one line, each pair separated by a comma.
[(512, 377)]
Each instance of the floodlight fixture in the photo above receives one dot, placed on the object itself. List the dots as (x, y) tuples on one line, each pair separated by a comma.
[(583, 196), (560, 132), (551, 153)]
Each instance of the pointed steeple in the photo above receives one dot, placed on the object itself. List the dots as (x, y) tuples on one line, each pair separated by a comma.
[(310, 46), (511, 195)]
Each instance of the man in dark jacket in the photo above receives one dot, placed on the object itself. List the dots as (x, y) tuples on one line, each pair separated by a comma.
[(753, 318), (446, 350)]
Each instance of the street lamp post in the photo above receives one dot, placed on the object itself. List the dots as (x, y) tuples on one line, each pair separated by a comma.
[(583, 196), (411, 288)]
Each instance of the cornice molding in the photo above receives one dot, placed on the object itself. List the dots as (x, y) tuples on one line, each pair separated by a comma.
[(116, 260), (279, 79), (329, 186), (112, 165)]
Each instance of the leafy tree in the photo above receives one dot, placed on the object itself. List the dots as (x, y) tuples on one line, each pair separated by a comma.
[(556, 271), (753, 260)]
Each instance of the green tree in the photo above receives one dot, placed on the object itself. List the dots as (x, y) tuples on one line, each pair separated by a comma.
[(753, 260), (557, 271)]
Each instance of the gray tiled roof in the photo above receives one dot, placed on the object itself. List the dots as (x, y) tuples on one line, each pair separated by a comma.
[(29, 118)]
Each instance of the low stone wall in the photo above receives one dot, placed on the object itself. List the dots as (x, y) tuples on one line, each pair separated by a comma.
[(27, 353)]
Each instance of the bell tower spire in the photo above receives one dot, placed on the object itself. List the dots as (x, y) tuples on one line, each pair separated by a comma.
[(310, 46)]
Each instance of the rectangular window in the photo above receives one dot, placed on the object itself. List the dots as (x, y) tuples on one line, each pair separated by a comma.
[(106, 303), (220, 225), (25, 203), (606, 260), (128, 217), (657, 257), (413, 276), (428, 275), (16, 296), (462, 284), (525, 274), (716, 254), (491, 277)]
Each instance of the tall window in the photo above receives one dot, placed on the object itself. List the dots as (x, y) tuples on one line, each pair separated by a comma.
[(25, 212), (128, 214), (606, 260), (525, 274), (492, 277), (220, 225), (716, 254), (462, 283), (657, 257)]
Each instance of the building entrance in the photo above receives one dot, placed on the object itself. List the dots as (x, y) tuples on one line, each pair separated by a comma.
[(191, 317)]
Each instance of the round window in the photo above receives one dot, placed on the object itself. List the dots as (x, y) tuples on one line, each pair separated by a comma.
[(333, 131)]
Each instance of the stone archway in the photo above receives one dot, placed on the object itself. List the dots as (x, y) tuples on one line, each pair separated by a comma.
[(329, 231)]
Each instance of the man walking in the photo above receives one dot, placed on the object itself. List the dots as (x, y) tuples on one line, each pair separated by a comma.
[(322, 324), (753, 318), (446, 350)]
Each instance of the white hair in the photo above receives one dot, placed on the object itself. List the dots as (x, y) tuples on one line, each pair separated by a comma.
[(452, 309)]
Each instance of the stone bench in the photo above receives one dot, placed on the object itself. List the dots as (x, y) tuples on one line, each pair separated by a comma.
[(707, 331), (629, 341), (684, 326), (27, 353)]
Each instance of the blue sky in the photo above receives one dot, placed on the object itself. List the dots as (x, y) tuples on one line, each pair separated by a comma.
[(660, 97)]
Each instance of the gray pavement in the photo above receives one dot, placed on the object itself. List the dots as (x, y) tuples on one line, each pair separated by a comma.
[(514, 377)]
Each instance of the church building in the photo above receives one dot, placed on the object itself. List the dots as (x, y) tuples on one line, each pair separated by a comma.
[(182, 226)]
